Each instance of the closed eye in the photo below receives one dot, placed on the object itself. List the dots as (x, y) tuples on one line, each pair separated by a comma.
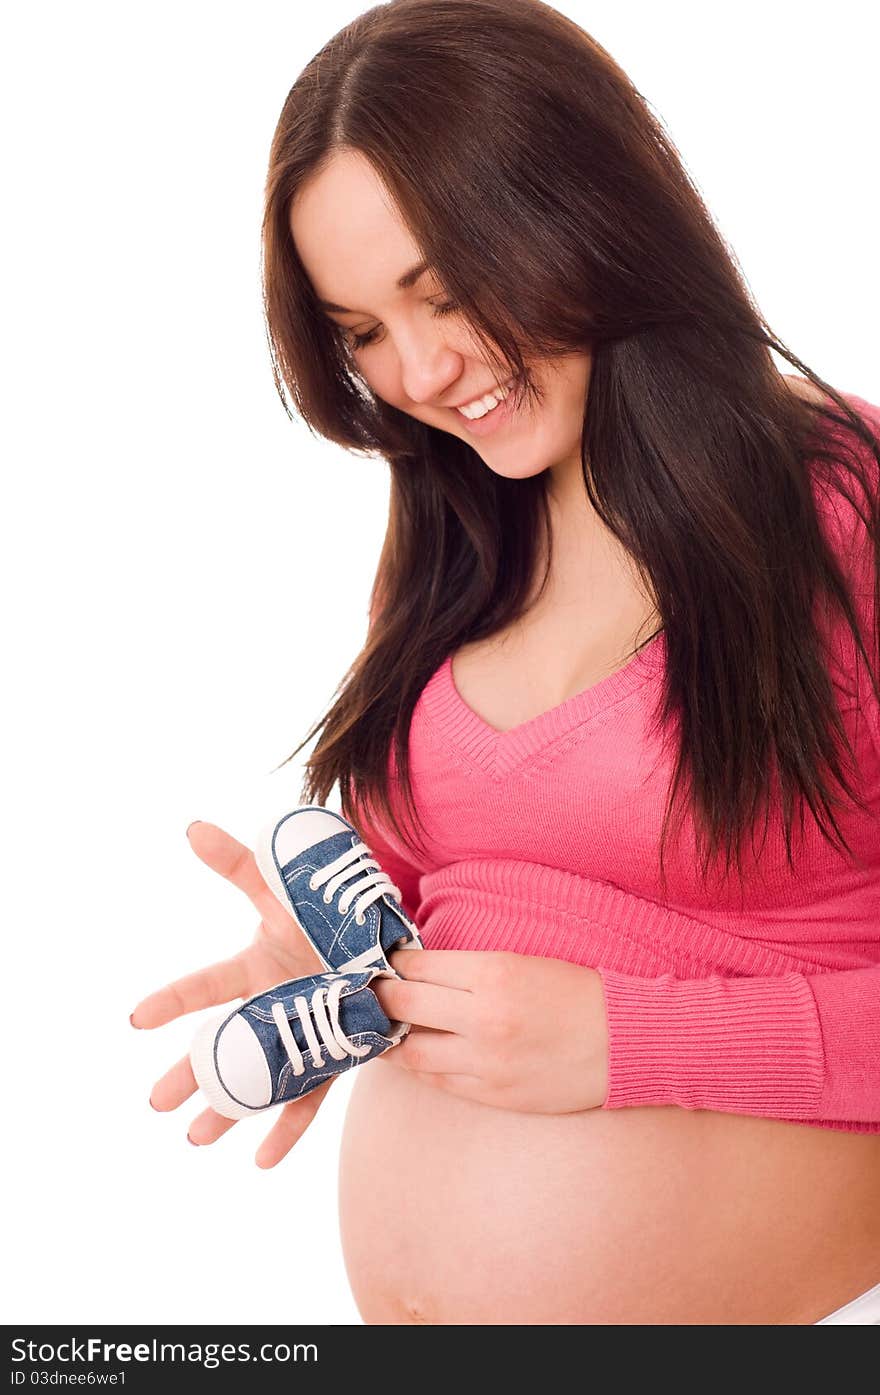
[(359, 341)]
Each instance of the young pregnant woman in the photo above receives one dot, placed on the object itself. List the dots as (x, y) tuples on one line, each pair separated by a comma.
[(638, 1088)]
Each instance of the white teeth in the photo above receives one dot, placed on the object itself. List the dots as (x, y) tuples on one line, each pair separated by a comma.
[(481, 405)]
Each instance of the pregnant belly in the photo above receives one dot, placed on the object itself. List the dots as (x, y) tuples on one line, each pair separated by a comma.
[(453, 1212)]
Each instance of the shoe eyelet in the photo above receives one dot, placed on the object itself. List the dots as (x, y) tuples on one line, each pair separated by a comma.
[(360, 920), (326, 900)]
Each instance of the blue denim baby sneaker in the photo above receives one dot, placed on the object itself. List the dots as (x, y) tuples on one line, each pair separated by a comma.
[(272, 1048), (309, 855)]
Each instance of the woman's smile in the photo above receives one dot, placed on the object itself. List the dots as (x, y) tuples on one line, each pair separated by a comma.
[(490, 420)]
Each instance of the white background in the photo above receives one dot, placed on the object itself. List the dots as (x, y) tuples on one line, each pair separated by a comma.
[(165, 530)]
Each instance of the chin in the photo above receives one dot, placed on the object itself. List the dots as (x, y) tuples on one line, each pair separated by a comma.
[(517, 470)]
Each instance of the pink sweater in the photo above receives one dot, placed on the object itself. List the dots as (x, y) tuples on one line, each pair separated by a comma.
[(543, 841)]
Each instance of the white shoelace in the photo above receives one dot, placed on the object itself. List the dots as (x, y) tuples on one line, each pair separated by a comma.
[(368, 887), (335, 1041)]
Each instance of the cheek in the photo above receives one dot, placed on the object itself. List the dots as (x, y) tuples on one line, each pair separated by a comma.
[(383, 382), (565, 398)]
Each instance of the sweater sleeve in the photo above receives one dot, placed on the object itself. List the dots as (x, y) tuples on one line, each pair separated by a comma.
[(793, 1046)]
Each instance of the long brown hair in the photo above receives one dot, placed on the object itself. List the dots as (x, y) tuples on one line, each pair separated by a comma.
[(556, 211)]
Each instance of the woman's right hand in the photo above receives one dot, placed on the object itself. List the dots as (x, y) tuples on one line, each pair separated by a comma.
[(280, 951)]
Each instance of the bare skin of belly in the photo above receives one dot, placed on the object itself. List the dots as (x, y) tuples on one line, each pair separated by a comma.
[(456, 1213)]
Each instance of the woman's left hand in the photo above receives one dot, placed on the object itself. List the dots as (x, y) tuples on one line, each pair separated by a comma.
[(511, 1030)]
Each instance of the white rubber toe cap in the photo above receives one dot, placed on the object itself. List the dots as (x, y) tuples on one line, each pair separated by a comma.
[(302, 829), (286, 837), (235, 1079)]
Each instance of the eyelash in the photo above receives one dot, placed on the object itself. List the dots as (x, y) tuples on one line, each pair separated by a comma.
[(360, 341)]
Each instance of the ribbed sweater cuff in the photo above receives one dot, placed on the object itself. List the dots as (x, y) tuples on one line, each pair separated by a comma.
[(738, 1045)]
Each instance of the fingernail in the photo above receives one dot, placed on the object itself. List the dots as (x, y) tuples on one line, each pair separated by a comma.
[(132, 1021), (192, 825), (192, 1141), (152, 1106)]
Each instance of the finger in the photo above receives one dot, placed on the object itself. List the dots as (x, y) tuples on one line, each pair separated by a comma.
[(208, 1126), (289, 1128), (219, 983), (433, 1053), (233, 861), (424, 1004), (453, 968), (177, 1085)]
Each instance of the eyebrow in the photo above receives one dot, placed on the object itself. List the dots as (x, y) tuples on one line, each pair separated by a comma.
[(404, 283)]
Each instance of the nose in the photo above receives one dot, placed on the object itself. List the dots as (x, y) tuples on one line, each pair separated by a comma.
[(429, 367)]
